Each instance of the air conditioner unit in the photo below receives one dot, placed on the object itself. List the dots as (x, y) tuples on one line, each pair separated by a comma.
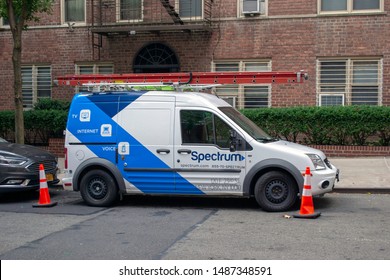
[(253, 7)]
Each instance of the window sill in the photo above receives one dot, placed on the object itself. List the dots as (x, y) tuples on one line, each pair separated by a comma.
[(343, 14)]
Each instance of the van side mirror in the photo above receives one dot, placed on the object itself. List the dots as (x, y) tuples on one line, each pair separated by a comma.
[(233, 140)]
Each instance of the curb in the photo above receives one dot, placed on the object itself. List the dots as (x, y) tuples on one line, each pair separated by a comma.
[(363, 190)]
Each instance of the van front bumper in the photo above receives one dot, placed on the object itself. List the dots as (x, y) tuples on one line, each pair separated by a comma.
[(323, 181)]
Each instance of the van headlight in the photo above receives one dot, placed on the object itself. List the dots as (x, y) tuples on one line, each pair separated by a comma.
[(317, 161)]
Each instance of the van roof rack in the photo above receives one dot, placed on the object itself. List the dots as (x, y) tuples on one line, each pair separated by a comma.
[(178, 81)]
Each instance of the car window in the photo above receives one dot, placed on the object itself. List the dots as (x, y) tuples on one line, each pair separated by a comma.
[(202, 127)]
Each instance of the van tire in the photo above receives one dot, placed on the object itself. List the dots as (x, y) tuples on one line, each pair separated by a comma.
[(98, 188), (276, 191)]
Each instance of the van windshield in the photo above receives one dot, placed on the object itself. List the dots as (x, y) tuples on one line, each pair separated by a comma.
[(247, 125)]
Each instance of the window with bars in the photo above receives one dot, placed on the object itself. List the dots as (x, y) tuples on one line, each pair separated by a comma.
[(93, 68), (244, 96), (130, 9), (349, 82), (73, 10), (331, 99), (36, 83), (350, 6)]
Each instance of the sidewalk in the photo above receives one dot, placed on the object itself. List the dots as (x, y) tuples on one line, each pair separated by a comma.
[(357, 174), (363, 174)]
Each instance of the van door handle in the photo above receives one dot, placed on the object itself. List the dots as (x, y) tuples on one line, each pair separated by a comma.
[(163, 151), (184, 151)]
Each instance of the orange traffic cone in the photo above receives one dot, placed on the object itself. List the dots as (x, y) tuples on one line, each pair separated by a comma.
[(44, 197), (307, 207)]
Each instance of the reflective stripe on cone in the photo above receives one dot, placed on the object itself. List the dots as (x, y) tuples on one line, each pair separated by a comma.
[(307, 206)]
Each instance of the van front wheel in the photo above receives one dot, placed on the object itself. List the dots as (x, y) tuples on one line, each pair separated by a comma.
[(98, 188), (276, 191)]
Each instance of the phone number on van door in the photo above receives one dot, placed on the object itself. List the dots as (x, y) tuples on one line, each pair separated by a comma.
[(218, 188)]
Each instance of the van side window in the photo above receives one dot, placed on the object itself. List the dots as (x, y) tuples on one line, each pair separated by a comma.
[(202, 127), (222, 133)]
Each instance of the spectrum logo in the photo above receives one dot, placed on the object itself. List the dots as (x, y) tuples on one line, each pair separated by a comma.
[(216, 157)]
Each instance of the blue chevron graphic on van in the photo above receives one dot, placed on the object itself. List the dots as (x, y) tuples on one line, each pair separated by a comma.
[(101, 133)]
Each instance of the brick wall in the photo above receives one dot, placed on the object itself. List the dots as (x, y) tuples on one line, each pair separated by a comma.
[(56, 146), (353, 151), (292, 37), (297, 7)]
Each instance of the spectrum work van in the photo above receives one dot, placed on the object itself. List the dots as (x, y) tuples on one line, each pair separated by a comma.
[(153, 142)]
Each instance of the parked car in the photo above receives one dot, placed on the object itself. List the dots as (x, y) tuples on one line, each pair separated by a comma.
[(19, 167)]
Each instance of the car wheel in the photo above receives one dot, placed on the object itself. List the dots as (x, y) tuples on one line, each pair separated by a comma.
[(98, 188), (276, 191)]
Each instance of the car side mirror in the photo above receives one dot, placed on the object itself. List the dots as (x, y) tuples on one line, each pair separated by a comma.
[(233, 140)]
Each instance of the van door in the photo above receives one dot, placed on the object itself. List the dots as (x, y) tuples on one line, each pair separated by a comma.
[(145, 144), (203, 156)]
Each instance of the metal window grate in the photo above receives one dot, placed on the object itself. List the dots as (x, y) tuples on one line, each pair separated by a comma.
[(331, 100), (93, 68), (36, 83), (359, 81), (244, 96)]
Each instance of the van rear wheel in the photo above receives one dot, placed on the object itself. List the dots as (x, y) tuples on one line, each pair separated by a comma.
[(98, 188), (276, 191)]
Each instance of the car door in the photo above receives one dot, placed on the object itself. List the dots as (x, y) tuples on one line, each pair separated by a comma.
[(145, 144), (203, 156)]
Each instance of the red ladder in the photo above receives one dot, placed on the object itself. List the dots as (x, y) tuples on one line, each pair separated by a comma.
[(194, 78)]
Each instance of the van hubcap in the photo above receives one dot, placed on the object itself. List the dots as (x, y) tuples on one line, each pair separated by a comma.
[(97, 188), (276, 191)]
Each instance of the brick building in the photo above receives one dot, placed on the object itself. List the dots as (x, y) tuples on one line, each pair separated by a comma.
[(344, 45)]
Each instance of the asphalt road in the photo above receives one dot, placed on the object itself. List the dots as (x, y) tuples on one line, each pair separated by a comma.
[(352, 226)]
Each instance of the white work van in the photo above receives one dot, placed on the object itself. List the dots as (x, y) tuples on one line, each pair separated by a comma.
[(182, 143)]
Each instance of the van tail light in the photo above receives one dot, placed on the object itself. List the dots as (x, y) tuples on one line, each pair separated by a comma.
[(66, 157)]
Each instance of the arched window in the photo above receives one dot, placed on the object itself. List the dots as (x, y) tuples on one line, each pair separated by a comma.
[(156, 58)]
